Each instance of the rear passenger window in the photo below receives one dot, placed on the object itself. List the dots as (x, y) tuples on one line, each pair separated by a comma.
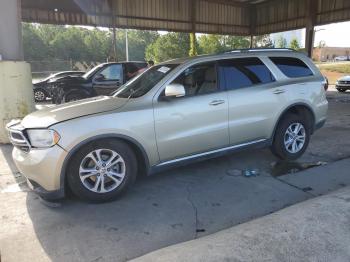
[(292, 67), (243, 72)]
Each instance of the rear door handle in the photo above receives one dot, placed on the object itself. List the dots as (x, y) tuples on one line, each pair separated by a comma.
[(279, 91), (216, 102)]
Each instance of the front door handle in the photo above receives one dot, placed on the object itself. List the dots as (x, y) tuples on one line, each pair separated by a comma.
[(216, 102), (279, 91)]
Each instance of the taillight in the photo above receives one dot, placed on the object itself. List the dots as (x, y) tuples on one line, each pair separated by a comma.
[(325, 83)]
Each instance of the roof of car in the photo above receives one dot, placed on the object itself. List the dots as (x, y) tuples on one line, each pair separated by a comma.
[(238, 53), (124, 62)]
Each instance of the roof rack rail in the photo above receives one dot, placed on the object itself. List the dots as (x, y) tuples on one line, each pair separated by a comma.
[(242, 50)]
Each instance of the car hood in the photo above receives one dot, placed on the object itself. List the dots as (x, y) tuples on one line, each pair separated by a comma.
[(52, 115), (40, 83), (68, 79), (344, 78)]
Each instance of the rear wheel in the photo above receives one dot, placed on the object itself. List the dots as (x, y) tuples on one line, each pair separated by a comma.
[(102, 170), (291, 138)]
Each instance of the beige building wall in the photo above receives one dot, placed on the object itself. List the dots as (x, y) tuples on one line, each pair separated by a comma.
[(329, 53)]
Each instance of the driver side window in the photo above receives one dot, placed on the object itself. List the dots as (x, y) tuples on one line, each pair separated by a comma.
[(112, 73), (198, 79)]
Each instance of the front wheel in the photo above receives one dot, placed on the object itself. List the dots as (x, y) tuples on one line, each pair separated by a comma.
[(39, 95), (292, 137), (102, 170)]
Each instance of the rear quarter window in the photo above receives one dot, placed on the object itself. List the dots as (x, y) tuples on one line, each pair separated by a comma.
[(292, 67)]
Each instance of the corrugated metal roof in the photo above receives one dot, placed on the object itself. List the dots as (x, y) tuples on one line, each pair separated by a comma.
[(283, 15), (241, 17)]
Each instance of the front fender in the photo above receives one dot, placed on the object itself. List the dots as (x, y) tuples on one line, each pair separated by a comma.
[(73, 150), (135, 126)]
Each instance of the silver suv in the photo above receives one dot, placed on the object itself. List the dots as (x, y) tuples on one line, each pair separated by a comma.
[(173, 113)]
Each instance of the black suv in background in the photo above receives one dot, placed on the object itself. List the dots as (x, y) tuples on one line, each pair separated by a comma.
[(101, 80), (42, 88)]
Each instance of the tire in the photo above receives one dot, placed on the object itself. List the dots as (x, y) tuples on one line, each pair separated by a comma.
[(116, 179), (39, 95), (74, 96), (341, 90), (281, 146)]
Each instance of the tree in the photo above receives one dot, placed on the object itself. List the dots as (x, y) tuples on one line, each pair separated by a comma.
[(137, 40), (211, 44), (33, 45), (294, 44), (168, 46), (281, 42), (236, 42), (193, 45), (50, 42), (70, 45), (263, 41), (98, 44)]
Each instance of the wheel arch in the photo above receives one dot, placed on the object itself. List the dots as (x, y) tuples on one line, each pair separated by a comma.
[(41, 89), (298, 109), (140, 152)]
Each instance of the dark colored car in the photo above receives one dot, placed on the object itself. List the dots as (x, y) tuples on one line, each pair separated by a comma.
[(103, 79), (42, 88)]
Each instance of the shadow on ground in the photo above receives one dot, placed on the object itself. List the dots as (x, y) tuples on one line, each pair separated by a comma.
[(168, 208)]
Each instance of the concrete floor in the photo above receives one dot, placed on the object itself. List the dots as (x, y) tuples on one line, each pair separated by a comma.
[(314, 230), (172, 207)]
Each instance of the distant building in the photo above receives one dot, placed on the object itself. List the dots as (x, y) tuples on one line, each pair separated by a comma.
[(330, 53)]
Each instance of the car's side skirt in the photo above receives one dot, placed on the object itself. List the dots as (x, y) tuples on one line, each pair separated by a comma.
[(209, 154)]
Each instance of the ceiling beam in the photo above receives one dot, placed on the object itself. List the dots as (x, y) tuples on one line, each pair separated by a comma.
[(228, 2)]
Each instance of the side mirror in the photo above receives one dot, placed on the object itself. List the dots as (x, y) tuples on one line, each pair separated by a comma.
[(175, 90), (99, 77)]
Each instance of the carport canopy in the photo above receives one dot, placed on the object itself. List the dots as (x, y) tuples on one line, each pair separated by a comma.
[(233, 17), (239, 17)]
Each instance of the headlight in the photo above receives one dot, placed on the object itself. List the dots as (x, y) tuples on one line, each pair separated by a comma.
[(43, 138)]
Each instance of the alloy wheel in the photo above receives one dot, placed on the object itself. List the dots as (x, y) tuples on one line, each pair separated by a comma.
[(294, 138), (102, 170), (39, 95)]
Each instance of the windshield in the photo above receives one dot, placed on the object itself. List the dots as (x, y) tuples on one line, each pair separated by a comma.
[(92, 71), (143, 83)]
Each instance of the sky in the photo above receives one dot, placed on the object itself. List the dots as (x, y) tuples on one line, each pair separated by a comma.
[(335, 35)]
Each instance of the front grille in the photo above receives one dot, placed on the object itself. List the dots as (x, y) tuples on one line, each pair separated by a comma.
[(18, 138), (344, 82)]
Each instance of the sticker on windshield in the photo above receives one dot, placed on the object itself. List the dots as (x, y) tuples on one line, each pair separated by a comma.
[(164, 69)]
